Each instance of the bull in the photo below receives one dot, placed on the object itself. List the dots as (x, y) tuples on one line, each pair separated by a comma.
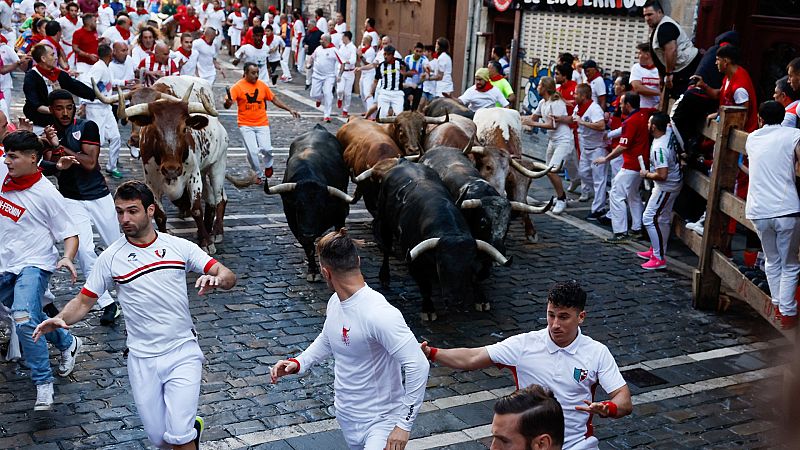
[(444, 105), (183, 149), (486, 211), (416, 210), (313, 190), (499, 158), (457, 132), (408, 129)]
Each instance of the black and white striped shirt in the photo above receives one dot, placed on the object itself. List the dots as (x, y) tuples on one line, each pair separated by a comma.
[(389, 76)]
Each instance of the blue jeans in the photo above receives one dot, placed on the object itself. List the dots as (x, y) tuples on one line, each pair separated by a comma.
[(23, 294)]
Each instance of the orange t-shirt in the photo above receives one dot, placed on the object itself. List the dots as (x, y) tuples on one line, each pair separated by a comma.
[(251, 98)]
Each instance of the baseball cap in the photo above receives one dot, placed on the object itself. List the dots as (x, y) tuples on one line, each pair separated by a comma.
[(589, 64)]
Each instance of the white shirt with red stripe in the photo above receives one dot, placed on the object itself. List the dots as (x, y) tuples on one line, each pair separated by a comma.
[(32, 220), (572, 373), (790, 118), (150, 63), (649, 78), (151, 287)]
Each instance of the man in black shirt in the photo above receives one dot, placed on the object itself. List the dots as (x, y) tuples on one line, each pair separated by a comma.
[(389, 77), (673, 52), (82, 185)]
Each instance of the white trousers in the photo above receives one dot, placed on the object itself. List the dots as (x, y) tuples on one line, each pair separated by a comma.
[(4, 107), (625, 189), (101, 214), (559, 154), (367, 436), (365, 87), (593, 176), (322, 91), (780, 239), (236, 36), (299, 56), (258, 142), (166, 389), (287, 53), (390, 99), (109, 131), (210, 77), (344, 89), (615, 165), (657, 219)]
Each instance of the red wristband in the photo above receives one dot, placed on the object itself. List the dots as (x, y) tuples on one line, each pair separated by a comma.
[(432, 354), (298, 367), (612, 408)]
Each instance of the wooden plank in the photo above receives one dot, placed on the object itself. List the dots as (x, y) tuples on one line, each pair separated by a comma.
[(690, 238), (745, 289), (697, 181), (736, 141), (734, 206), (711, 129)]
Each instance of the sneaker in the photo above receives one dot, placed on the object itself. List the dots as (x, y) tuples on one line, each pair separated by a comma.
[(645, 255), (199, 425), (574, 185), (69, 356), (44, 397), (114, 173), (560, 206), (308, 86), (345, 114), (604, 220), (110, 314), (50, 309), (788, 322), (268, 172), (286, 80), (596, 215), (655, 264), (135, 154), (339, 104), (584, 197), (618, 238), (639, 235)]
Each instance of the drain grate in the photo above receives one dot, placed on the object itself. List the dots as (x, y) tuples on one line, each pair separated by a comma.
[(642, 378)]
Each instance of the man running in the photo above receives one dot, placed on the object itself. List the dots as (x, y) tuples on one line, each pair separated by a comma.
[(102, 114), (371, 343), (149, 269), (204, 56), (322, 67), (255, 53), (347, 77)]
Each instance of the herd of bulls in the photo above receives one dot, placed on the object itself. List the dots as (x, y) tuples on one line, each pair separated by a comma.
[(441, 187)]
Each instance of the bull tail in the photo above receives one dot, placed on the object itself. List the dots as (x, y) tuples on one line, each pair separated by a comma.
[(242, 182)]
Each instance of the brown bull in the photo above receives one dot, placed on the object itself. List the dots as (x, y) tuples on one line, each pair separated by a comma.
[(408, 129), (456, 133)]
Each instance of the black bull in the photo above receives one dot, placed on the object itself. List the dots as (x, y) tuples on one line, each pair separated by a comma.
[(313, 190), (415, 208)]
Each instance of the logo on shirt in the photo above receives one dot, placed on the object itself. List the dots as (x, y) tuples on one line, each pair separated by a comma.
[(132, 257), (345, 336), (10, 209), (580, 374), (160, 253), (77, 135)]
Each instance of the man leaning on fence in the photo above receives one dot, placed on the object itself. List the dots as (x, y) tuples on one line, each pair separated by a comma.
[(774, 207)]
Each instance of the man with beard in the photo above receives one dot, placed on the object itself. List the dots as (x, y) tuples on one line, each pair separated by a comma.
[(84, 44), (149, 269)]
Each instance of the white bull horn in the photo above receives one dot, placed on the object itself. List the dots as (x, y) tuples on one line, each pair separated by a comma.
[(471, 203), (438, 120), (121, 106), (477, 149), (424, 246), (187, 94), (336, 193), (468, 148), (528, 209), (142, 109), (364, 175), (527, 172), (165, 96), (391, 119), (282, 188), (200, 108), (493, 252), (412, 158), (208, 104), (107, 100)]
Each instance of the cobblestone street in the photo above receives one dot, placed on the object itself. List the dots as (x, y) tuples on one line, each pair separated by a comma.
[(699, 379)]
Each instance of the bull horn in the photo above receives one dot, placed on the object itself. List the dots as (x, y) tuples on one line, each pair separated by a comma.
[(336, 193), (391, 119), (493, 252), (187, 94), (282, 188), (528, 209), (364, 175), (165, 96), (476, 149), (412, 158), (121, 114), (470, 144), (208, 104), (142, 109), (424, 246), (471, 203), (438, 120), (527, 172), (101, 97), (200, 108)]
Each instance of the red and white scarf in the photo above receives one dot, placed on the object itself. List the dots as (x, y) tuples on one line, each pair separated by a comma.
[(21, 183)]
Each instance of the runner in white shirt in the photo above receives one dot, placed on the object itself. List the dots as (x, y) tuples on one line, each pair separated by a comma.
[(595, 80), (665, 171), (366, 56), (204, 56), (121, 32), (561, 142), (370, 343), (143, 46), (336, 37), (7, 26), (33, 217), (560, 358), (339, 23), (347, 76), (256, 53), (26, 7), (237, 21), (774, 207), (428, 85), (215, 17), (482, 94), (369, 29), (275, 46), (105, 17), (591, 128), (122, 69), (323, 64), (298, 33), (183, 55), (99, 112), (69, 23), (322, 23), (645, 79), (149, 271), (444, 68)]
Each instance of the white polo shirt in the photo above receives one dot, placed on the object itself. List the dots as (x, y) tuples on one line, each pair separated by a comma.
[(650, 80), (587, 137), (772, 191), (151, 287), (598, 88), (572, 373), (475, 99)]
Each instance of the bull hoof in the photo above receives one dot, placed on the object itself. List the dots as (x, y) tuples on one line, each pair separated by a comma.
[(218, 238), (428, 317), (310, 277), (482, 306), (533, 238), (210, 249), (317, 277)]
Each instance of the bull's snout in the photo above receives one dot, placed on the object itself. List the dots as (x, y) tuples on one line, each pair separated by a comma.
[(171, 173)]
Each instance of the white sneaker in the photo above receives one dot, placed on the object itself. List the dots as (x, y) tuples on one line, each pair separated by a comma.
[(584, 197), (44, 397), (559, 206), (69, 356), (135, 154), (574, 185)]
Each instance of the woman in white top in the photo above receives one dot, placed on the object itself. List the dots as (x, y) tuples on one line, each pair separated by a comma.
[(561, 144), (444, 69)]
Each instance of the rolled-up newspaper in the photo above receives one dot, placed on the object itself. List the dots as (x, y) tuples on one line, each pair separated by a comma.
[(647, 185)]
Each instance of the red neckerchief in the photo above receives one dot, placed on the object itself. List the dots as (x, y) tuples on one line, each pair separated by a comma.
[(313, 30), (21, 183), (55, 43), (253, 43), (141, 12), (186, 53), (615, 103), (596, 75), (497, 77), (104, 6), (650, 67), (369, 30), (583, 107), (333, 32), (365, 48), (150, 51), (126, 34), (435, 55), (218, 8), (9, 4), (486, 87), (270, 39), (238, 13), (51, 74), (3, 39), (330, 46), (35, 39), (73, 21), (129, 9)]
